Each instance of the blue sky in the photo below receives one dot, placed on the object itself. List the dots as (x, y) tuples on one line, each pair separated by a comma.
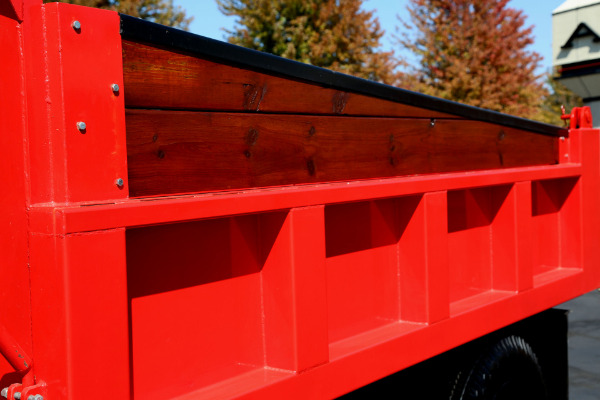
[(208, 21)]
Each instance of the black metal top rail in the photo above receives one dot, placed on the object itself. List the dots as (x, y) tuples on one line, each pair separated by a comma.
[(138, 30)]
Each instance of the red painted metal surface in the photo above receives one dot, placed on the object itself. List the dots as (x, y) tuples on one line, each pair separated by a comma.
[(15, 318), (12, 9), (13, 353), (304, 291)]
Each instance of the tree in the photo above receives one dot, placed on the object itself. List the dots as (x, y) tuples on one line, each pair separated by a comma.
[(159, 11), (335, 34), (474, 52), (558, 96)]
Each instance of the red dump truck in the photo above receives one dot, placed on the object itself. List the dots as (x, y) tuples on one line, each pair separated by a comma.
[(187, 219)]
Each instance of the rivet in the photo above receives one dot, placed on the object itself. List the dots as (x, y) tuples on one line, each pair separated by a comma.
[(76, 25), (81, 126), (562, 138), (115, 88), (432, 122), (566, 155), (120, 182)]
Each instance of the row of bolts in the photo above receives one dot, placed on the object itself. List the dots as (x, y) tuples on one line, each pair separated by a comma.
[(17, 395), (82, 126)]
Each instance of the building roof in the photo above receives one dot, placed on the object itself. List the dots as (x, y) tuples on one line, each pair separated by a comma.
[(574, 4)]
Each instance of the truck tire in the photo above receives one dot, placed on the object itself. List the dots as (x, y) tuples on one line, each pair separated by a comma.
[(507, 370)]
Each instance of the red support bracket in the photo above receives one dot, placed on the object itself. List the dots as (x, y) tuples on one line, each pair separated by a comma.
[(13, 352), (19, 392), (22, 363), (580, 117), (12, 9)]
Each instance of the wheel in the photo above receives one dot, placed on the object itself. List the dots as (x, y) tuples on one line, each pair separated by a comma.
[(508, 370)]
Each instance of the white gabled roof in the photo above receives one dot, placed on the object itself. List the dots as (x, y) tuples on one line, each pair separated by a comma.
[(574, 4)]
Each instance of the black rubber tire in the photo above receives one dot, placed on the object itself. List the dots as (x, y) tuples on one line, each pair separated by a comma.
[(508, 370)]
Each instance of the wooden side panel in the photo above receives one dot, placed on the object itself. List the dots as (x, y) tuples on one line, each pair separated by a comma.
[(178, 152), (157, 78)]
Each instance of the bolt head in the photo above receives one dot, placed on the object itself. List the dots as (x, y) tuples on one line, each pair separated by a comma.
[(120, 182), (115, 88), (76, 25), (17, 395), (81, 126), (4, 392)]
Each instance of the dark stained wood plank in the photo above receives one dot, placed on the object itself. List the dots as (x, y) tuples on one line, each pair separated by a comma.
[(180, 151), (157, 78)]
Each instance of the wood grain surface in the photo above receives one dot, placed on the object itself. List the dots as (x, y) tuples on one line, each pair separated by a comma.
[(182, 151), (157, 78)]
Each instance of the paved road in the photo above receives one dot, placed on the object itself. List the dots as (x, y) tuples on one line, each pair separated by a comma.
[(584, 346)]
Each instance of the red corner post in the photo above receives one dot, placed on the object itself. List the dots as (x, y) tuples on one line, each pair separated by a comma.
[(64, 296), (583, 147), (15, 313)]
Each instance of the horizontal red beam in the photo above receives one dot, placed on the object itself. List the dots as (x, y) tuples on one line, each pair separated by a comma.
[(331, 379), (160, 210)]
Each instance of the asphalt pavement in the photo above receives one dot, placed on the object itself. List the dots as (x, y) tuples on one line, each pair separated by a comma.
[(584, 346)]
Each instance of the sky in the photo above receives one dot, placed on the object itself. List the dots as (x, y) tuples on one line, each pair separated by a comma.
[(208, 21)]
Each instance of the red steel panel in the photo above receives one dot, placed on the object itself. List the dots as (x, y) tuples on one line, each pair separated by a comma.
[(95, 159), (79, 317), (362, 266), (195, 304), (73, 85)]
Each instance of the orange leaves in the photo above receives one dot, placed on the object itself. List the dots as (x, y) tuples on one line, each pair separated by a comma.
[(475, 52)]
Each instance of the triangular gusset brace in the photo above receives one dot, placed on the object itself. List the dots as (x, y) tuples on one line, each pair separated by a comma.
[(12, 9), (582, 31)]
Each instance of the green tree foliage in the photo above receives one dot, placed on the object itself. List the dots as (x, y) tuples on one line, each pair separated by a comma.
[(474, 52), (559, 95), (335, 34), (159, 11)]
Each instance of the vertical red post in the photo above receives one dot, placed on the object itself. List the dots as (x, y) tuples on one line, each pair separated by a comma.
[(294, 292), (512, 263), (523, 235), (585, 146), (15, 317), (424, 295), (75, 152)]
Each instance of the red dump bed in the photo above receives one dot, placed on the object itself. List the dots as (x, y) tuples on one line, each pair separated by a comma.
[(232, 224)]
